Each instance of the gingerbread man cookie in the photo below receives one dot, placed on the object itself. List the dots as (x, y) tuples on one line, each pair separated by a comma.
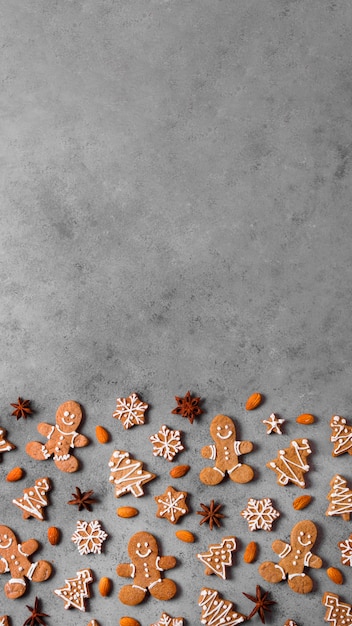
[(225, 452), (146, 569), (14, 559), (61, 438), (295, 556)]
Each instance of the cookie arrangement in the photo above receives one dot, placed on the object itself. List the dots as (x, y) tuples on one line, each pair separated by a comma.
[(146, 566)]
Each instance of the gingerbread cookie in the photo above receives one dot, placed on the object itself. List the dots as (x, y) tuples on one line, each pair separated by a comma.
[(260, 514), (130, 411), (340, 498), (291, 463), (4, 620), (346, 551), (338, 613), (89, 537), (34, 499), (166, 620), (225, 452), (5, 445), (295, 556), (61, 438), (290, 622), (146, 569), (128, 475), (273, 424), (14, 559), (216, 611), (341, 436), (171, 504), (76, 590), (166, 443), (218, 557)]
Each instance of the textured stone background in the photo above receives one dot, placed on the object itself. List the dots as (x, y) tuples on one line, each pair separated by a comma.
[(176, 214)]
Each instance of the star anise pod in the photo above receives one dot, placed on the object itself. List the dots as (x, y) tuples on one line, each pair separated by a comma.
[(187, 406), (211, 514), (262, 603), (82, 499), (22, 408), (36, 616)]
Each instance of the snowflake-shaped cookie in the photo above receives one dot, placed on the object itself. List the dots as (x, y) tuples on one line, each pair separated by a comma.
[(346, 551), (273, 424), (130, 411), (260, 514), (172, 504), (89, 537), (166, 620), (166, 443)]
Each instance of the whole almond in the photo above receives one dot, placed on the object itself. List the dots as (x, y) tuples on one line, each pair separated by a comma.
[(185, 535), (104, 586), (54, 535), (127, 511), (301, 502), (250, 552), (179, 471), (102, 434), (335, 575), (253, 401), (305, 418), (15, 474), (128, 621)]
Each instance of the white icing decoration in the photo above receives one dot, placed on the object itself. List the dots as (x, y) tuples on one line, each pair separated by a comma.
[(289, 473), (342, 435), (340, 498), (130, 411), (273, 424), (166, 443), (89, 537), (260, 514), (76, 590), (127, 475), (216, 612), (35, 500), (171, 505), (207, 558)]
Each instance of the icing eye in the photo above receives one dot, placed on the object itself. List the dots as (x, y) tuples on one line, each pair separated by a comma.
[(226, 426), (218, 428), (138, 545), (5, 536), (308, 536), (73, 416), (301, 533), (146, 544), (66, 414)]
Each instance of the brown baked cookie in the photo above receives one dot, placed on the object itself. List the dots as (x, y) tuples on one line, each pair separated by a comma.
[(216, 611), (225, 452), (340, 498), (127, 475), (171, 504), (290, 622), (146, 569), (338, 613), (218, 557), (34, 499), (76, 590), (5, 445), (14, 559), (4, 620), (62, 437), (166, 620), (295, 556), (291, 464), (341, 436)]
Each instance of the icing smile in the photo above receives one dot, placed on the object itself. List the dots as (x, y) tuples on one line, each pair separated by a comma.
[(4, 547), (228, 434), (303, 543), (68, 422), (143, 556)]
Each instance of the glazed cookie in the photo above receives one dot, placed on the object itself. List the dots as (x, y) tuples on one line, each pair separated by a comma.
[(341, 436), (34, 499), (290, 464), (166, 443), (130, 411), (4, 620), (340, 498), (62, 437), (295, 556), (76, 590), (273, 424), (127, 475), (5, 445), (171, 504), (215, 611), (224, 452), (14, 559), (218, 557), (89, 537), (346, 551), (146, 569), (338, 613), (290, 622), (260, 514)]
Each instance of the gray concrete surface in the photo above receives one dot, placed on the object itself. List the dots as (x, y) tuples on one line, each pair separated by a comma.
[(176, 214)]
